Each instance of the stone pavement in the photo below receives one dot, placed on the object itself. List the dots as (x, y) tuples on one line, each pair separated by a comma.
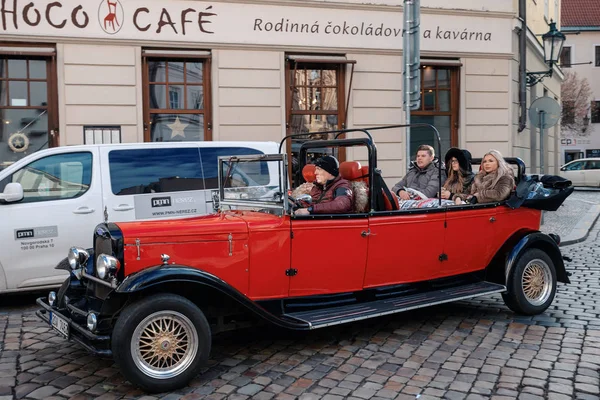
[(475, 349), (574, 218)]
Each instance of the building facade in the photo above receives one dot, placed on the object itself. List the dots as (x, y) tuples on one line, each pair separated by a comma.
[(581, 54), (106, 71)]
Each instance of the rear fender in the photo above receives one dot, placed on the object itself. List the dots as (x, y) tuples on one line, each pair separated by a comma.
[(173, 276), (515, 246)]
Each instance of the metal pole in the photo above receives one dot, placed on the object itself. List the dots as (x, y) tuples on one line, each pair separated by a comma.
[(406, 49), (542, 147)]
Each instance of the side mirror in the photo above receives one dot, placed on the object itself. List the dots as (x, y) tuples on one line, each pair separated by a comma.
[(563, 168), (305, 198), (12, 192)]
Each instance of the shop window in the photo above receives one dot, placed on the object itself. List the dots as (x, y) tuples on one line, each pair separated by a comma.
[(595, 111), (565, 57), (439, 107), (176, 97), (28, 118), (316, 98)]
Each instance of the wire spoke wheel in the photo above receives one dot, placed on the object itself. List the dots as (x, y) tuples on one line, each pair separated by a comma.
[(537, 282), (164, 344)]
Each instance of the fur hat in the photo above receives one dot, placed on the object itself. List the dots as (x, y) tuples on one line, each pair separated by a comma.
[(463, 156), (329, 164)]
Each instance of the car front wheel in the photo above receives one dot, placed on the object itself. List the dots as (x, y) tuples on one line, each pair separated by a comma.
[(161, 342), (531, 284)]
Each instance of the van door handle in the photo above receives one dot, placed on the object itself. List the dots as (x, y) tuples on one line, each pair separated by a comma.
[(123, 207), (83, 210)]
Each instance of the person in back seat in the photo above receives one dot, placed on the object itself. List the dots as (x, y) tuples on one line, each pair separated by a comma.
[(331, 193), (422, 175), (460, 175), (494, 182)]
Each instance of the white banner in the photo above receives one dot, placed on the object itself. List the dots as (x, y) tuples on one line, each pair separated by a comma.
[(206, 23)]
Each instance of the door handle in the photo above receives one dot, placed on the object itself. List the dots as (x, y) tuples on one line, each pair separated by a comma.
[(83, 210), (123, 207), (367, 233)]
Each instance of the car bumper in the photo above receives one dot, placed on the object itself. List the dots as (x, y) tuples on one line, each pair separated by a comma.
[(96, 344)]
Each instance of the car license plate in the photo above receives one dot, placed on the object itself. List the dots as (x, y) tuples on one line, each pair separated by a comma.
[(60, 324)]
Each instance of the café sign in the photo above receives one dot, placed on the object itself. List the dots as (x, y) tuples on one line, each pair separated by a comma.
[(208, 23)]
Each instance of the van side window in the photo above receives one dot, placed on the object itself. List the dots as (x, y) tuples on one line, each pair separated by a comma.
[(138, 171), (254, 173), (57, 177), (576, 166), (593, 165)]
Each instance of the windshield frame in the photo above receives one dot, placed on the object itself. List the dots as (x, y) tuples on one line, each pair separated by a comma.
[(281, 159)]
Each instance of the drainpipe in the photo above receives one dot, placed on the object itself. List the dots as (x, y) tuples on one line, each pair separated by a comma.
[(523, 65)]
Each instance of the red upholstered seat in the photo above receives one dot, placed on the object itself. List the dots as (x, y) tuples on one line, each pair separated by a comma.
[(351, 170), (308, 172), (365, 174), (388, 205)]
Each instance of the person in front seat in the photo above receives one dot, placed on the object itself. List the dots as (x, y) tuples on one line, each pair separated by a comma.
[(331, 194), (422, 175)]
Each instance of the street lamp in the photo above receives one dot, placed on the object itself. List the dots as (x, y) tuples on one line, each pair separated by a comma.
[(553, 43)]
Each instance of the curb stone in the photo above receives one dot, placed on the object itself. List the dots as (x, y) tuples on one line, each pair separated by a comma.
[(583, 227)]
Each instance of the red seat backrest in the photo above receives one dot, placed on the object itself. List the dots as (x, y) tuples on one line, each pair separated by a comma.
[(308, 172), (350, 170), (388, 205), (365, 174)]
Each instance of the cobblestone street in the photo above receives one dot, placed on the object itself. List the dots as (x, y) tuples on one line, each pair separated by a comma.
[(467, 350)]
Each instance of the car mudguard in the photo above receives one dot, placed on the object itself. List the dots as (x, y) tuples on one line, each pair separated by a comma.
[(152, 277), (543, 242)]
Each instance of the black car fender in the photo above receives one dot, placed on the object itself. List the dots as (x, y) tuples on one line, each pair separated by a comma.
[(540, 241), (160, 275)]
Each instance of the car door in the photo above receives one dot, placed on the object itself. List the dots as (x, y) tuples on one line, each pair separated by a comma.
[(469, 239), (591, 173), (404, 247), (153, 181), (329, 254), (62, 203), (574, 172)]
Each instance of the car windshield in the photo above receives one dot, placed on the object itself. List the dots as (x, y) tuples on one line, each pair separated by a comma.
[(243, 180)]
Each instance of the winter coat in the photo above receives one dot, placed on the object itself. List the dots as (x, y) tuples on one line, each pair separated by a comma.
[(487, 192), (424, 180), (460, 191), (334, 197)]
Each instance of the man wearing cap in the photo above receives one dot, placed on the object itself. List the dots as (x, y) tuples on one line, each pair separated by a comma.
[(331, 193)]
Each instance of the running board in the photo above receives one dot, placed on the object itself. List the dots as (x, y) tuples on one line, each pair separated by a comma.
[(356, 312)]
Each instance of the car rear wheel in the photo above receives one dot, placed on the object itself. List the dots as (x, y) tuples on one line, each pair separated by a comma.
[(531, 285), (161, 342)]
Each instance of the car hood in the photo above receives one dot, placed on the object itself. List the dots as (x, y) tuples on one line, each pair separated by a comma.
[(214, 227)]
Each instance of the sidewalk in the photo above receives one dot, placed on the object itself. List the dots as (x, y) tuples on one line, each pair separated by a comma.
[(574, 219)]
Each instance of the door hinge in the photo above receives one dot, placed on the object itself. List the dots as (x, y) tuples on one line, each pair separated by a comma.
[(443, 257), (291, 234), (445, 224), (291, 272)]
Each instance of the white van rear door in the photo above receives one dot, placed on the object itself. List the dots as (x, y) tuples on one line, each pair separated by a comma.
[(153, 181), (62, 204)]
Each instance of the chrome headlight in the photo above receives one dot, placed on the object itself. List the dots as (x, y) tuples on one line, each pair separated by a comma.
[(77, 257), (106, 266)]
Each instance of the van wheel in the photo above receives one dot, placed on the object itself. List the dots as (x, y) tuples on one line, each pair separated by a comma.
[(531, 286), (160, 343)]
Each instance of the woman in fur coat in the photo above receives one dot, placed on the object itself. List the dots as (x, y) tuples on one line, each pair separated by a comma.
[(460, 175), (494, 182)]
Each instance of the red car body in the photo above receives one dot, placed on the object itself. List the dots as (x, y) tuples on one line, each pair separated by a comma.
[(151, 293)]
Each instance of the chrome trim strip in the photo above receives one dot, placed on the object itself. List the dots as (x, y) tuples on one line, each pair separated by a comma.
[(111, 285), (366, 316)]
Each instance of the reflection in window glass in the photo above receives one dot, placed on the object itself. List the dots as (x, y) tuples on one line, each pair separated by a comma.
[(63, 176), (138, 171), (576, 166), (37, 69), (175, 97), (18, 93), (429, 77), (175, 72), (195, 97), (193, 72), (39, 93), (157, 71), (251, 174), (17, 69), (177, 127), (158, 96)]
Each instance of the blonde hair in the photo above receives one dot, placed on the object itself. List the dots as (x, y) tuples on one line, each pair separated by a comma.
[(503, 168)]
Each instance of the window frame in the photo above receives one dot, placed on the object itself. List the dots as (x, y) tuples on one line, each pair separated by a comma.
[(566, 65), (596, 55), (171, 56), (454, 89), (595, 112), (42, 199)]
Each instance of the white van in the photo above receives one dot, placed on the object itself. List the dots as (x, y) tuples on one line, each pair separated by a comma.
[(52, 199), (582, 172)]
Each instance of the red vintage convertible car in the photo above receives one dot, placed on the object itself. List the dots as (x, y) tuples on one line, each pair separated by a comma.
[(152, 293)]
